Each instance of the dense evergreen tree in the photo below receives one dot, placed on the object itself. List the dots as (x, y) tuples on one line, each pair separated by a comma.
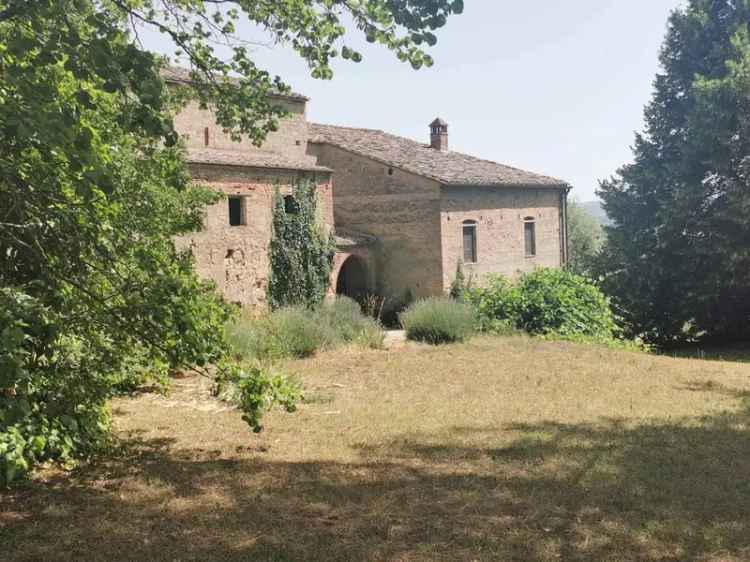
[(677, 259)]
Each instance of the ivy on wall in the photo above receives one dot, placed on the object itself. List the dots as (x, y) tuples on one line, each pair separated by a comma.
[(301, 251)]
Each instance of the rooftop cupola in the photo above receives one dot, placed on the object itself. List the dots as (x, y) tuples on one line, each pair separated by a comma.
[(439, 135)]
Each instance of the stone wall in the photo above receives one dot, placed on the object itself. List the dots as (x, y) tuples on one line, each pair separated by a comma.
[(236, 257), (290, 140), (499, 213), (401, 209)]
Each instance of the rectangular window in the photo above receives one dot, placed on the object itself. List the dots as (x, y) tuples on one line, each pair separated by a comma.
[(470, 243), (529, 238), (236, 211)]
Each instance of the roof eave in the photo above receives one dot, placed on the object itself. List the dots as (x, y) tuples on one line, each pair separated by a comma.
[(516, 185), (317, 170)]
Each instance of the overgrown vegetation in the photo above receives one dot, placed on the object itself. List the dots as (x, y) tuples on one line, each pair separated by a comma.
[(93, 191), (560, 302), (544, 302), (301, 252), (299, 332), (438, 321)]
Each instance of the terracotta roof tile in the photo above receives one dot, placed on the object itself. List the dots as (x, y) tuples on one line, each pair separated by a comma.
[(446, 167)]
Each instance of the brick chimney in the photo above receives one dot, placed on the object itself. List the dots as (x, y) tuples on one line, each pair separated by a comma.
[(439, 135)]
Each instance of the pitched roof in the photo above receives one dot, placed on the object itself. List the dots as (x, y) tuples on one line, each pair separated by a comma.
[(249, 159), (446, 167), (179, 75)]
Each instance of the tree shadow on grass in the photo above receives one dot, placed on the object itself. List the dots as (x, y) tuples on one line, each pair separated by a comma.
[(672, 490), (737, 352)]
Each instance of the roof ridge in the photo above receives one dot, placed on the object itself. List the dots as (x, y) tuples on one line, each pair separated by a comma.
[(447, 167), (423, 144), (382, 132), (348, 128)]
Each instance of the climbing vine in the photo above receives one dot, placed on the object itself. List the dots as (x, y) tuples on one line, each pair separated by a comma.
[(301, 251)]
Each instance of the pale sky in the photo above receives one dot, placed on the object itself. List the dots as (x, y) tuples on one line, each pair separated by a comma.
[(552, 87)]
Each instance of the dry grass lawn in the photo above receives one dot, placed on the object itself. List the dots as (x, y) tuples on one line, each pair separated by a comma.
[(499, 449)]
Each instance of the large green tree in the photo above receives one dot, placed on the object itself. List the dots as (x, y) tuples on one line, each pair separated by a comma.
[(93, 191), (677, 259)]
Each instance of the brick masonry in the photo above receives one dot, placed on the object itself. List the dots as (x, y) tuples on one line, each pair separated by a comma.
[(236, 257), (417, 221), (289, 140), (500, 214), (401, 209)]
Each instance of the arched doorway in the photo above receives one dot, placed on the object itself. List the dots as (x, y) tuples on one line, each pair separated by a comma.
[(353, 279)]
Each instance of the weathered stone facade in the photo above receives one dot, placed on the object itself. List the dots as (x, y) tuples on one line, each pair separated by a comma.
[(398, 207), (236, 257), (500, 214), (289, 141)]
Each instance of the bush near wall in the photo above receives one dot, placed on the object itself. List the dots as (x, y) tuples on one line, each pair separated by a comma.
[(298, 332), (496, 304), (438, 321), (546, 301)]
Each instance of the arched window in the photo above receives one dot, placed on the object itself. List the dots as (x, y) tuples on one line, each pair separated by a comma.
[(291, 207), (470, 241), (529, 237)]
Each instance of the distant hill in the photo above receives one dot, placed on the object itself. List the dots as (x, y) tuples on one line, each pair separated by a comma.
[(594, 208)]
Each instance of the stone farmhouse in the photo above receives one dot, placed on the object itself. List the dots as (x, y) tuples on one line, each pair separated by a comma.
[(404, 212)]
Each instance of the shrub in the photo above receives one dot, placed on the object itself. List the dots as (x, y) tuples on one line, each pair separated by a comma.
[(372, 306), (288, 332), (256, 390), (345, 321), (299, 332), (438, 320), (458, 286), (558, 301), (394, 305), (496, 304)]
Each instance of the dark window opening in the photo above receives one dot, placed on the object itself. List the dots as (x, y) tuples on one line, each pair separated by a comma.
[(235, 211), (390, 171), (291, 207), (205, 136), (529, 237), (470, 242)]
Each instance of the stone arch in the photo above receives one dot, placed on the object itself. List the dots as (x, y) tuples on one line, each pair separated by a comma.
[(353, 278)]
